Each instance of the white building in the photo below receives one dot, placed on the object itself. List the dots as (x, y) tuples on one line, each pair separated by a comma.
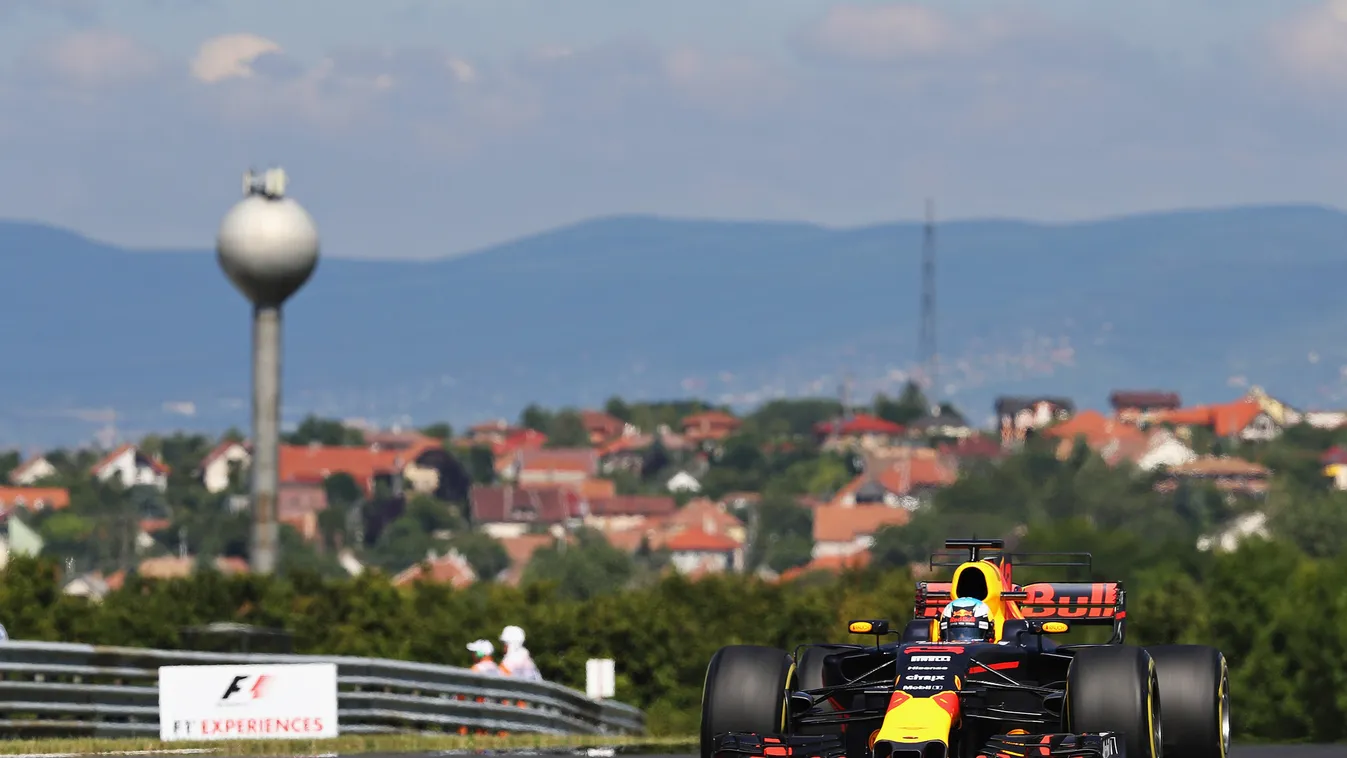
[(128, 466)]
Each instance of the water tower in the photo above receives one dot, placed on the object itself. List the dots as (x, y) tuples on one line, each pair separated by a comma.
[(268, 247)]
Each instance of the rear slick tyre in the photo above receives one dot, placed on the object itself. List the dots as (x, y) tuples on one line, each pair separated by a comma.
[(745, 691), (1115, 688), (1195, 686)]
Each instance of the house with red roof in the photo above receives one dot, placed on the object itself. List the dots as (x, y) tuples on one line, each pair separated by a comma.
[(128, 466), (603, 427), (451, 568), (222, 463), (858, 430), (846, 530), (33, 498), (552, 466), (408, 455), (907, 478), (1246, 419), (1113, 440), (694, 551), (1164, 450), (491, 433), (618, 512), (177, 567), (661, 521), (32, 471), (1018, 417), (627, 453), (709, 426), (510, 511), (973, 448), (708, 516), (368, 466), (1230, 475), (298, 504), (520, 551), (1131, 405)]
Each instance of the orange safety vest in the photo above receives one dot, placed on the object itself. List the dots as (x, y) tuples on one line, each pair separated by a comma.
[(486, 666)]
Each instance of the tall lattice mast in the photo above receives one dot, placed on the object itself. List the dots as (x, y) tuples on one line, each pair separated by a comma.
[(926, 343)]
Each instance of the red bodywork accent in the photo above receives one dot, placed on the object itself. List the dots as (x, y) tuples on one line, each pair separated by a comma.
[(995, 666), (950, 702), (899, 697)]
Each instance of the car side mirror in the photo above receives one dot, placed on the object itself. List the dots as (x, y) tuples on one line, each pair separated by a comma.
[(800, 702), (877, 627)]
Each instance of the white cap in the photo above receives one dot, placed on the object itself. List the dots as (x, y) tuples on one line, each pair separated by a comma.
[(482, 647), (512, 635)]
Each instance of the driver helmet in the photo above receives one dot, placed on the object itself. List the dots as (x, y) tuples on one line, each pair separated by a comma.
[(966, 620)]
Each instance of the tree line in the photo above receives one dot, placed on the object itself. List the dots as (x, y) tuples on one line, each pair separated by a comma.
[(1279, 615)]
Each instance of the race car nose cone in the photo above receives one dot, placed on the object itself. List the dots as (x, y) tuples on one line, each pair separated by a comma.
[(923, 749)]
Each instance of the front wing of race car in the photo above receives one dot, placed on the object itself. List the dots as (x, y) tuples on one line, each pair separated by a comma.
[(735, 745), (1100, 745)]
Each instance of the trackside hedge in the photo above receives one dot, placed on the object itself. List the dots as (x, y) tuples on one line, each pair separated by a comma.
[(1280, 618)]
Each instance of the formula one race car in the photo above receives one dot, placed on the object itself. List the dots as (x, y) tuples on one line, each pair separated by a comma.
[(1012, 694)]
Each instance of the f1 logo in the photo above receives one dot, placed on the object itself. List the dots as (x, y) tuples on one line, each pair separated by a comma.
[(257, 691)]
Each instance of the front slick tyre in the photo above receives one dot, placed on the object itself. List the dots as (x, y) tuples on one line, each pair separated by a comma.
[(745, 691), (1113, 688)]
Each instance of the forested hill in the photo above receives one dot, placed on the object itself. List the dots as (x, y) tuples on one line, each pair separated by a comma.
[(1196, 301)]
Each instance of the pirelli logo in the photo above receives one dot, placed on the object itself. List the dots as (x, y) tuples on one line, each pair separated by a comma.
[(930, 659)]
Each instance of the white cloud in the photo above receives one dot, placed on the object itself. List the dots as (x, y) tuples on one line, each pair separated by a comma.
[(735, 82), (1001, 113), (230, 56), (1311, 45), (79, 11), (94, 58), (882, 32), (462, 70), (93, 415), (180, 407)]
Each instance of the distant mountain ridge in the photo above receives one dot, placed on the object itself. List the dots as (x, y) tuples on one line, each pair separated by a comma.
[(1196, 301)]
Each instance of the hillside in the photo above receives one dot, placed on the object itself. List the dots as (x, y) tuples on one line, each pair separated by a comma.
[(648, 307)]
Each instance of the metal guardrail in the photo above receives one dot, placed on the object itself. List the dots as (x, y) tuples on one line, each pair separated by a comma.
[(56, 689)]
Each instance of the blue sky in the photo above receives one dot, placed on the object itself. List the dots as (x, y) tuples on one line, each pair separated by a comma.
[(429, 127)]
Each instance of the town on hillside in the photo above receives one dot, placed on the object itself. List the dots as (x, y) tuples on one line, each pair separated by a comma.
[(794, 487)]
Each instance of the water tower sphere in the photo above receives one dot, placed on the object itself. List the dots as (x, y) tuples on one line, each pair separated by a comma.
[(268, 247)]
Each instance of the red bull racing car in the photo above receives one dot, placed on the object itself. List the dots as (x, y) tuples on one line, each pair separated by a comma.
[(1015, 694)]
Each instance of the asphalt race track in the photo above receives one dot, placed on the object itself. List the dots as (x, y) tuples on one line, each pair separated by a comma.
[(1290, 751), (1238, 751)]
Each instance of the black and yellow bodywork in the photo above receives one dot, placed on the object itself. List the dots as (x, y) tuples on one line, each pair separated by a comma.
[(921, 697)]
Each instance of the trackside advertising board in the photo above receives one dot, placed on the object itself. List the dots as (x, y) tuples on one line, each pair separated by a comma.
[(266, 702)]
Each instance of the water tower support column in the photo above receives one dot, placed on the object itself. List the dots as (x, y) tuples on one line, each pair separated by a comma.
[(267, 434)]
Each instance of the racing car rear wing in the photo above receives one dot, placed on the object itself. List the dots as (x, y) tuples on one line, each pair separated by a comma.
[(961, 551), (1087, 603)]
